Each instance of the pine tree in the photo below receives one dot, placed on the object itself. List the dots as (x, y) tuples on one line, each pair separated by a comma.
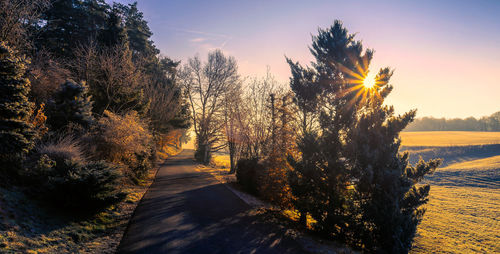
[(71, 23), (71, 104), (351, 178), (113, 32), (16, 132), (386, 188), (138, 31)]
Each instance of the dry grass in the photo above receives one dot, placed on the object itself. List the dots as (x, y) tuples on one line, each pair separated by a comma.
[(460, 220), (464, 204), (221, 160), (488, 163), (27, 226), (449, 138)]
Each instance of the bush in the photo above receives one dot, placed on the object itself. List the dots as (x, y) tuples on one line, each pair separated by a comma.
[(71, 105), (70, 182), (124, 140), (247, 174), (273, 185), (73, 185), (63, 149)]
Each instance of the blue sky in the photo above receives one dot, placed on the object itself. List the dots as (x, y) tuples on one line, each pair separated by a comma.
[(446, 54)]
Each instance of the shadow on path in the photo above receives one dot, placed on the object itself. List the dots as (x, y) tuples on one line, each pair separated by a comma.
[(186, 211)]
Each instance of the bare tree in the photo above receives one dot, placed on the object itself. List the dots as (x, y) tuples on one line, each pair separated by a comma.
[(114, 80), (233, 123), (206, 85), (16, 19), (257, 125)]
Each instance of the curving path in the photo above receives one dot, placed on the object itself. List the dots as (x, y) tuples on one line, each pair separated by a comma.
[(186, 211)]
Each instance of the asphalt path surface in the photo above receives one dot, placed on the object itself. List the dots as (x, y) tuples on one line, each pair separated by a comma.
[(187, 211)]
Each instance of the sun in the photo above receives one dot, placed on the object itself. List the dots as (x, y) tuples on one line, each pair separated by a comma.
[(369, 81)]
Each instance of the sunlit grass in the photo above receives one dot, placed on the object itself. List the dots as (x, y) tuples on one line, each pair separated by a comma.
[(449, 138), (221, 160), (460, 220), (483, 164)]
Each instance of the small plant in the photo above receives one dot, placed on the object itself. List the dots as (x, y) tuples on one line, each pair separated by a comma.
[(63, 149)]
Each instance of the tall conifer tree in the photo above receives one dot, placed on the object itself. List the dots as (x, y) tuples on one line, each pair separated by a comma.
[(16, 133)]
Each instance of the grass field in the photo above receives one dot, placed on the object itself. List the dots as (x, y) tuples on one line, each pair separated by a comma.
[(449, 138), (464, 207)]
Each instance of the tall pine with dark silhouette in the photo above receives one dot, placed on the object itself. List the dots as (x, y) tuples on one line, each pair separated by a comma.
[(16, 132), (352, 179)]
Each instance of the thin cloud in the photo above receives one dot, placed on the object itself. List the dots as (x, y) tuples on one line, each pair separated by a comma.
[(199, 39), (223, 39)]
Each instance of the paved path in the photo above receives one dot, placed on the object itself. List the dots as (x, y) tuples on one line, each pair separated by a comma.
[(186, 211)]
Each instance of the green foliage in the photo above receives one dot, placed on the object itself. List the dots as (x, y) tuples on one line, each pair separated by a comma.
[(71, 104), (69, 181), (351, 178), (138, 30), (247, 174), (69, 24), (113, 32), (16, 131), (73, 185)]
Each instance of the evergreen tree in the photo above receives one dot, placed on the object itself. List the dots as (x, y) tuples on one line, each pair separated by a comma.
[(71, 104), (113, 32), (351, 178), (138, 31), (386, 188), (16, 133), (68, 24)]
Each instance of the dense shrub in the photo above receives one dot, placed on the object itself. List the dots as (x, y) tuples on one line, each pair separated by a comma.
[(247, 174), (69, 181), (124, 140), (274, 185), (73, 185), (71, 105)]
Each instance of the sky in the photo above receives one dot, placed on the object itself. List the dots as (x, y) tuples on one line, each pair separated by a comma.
[(445, 54)]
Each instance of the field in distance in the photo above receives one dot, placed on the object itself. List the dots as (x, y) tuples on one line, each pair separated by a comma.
[(449, 138), (464, 207)]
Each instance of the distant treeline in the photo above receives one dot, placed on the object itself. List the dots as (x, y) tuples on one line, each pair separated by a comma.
[(486, 123)]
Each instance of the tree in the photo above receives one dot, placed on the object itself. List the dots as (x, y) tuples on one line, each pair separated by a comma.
[(351, 178), (138, 30), (305, 90), (169, 108), (17, 21), (232, 123), (256, 114), (16, 131), (71, 104), (323, 169), (206, 85), (112, 77), (68, 24)]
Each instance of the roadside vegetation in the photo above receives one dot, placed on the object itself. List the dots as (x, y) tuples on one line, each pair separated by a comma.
[(87, 106), (325, 149)]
